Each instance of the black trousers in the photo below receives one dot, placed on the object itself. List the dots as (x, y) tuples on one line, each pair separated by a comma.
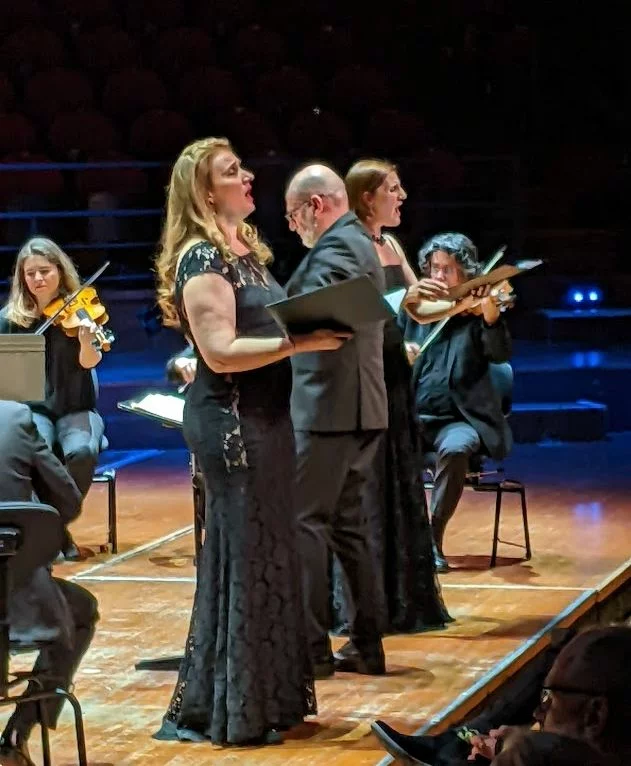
[(56, 662), (77, 437), (332, 472)]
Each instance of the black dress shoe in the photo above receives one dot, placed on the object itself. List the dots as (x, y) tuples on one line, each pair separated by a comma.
[(368, 662), (323, 669), (15, 755), (405, 748), (72, 553)]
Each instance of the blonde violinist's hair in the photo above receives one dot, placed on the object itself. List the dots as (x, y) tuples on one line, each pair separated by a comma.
[(22, 307), (188, 216), (365, 176)]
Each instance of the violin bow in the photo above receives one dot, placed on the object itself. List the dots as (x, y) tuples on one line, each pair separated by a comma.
[(439, 327), (70, 298)]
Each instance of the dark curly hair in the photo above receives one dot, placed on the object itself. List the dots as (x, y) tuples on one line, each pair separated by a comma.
[(455, 244)]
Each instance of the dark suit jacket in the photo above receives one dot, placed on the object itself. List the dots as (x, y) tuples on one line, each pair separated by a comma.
[(30, 471), (341, 390), (472, 346)]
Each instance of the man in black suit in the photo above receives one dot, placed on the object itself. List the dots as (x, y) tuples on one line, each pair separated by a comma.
[(457, 405), (44, 608), (339, 411)]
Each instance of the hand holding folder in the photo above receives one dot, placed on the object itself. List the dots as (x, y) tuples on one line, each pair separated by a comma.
[(343, 306)]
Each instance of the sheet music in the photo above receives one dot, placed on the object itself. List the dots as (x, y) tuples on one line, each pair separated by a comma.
[(394, 299), (167, 406)]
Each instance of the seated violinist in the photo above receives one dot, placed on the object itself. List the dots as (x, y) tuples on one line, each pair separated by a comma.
[(67, 419), (456, 405)]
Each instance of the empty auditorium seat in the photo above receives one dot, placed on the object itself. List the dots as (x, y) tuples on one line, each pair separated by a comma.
[(250, 132), (146, 15), (319, 133), (223, 17), (330, 43), (258, 48), (37, 184), (177, 50), (107, 49), (358, 90), (124, 183), (83, 15), (21, 14), (47, 93), (284, 92), (132, 91), (75, 134), (7, 92), (204, 91), (393, 133), (17, 133), (31, 49), (159, 135)]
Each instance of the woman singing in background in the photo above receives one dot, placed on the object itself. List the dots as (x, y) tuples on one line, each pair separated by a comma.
[(246, 675), (400, 535), (67, 419)]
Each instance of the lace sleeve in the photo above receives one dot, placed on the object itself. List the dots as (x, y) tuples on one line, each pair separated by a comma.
[(203, 258)]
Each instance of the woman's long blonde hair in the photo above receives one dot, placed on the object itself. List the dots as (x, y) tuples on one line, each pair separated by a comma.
[(22, 307), (188, 216), (365, 176)]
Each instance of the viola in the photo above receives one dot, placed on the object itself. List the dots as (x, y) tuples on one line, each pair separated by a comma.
[(460, 299), (69, 312), (85, 305)]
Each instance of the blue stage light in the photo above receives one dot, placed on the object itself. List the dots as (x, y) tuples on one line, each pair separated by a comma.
[(594, 296), (577, 296)]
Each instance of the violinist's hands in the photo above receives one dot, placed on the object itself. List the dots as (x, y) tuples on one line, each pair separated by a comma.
[(320, 340), (482, 292), (490, 310), (412, 350), (89, 353), (87, 333), (426, 289), (186, 368)]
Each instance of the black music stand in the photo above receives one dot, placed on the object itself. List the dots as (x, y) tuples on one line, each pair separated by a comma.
[(199, 516), (31, 534)]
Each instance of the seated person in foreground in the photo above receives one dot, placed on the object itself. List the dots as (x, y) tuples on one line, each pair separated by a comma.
[(44, 608), (457, 407), (586, 698)]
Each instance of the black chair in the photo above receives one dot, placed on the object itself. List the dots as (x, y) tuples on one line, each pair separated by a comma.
[(107, 476), (493, 481), (31, 534)]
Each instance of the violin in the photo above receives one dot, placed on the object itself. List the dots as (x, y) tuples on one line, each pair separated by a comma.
[(86, 305), (501, 294), (70, 312)]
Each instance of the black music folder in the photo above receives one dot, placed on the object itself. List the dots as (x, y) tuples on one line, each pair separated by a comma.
[(342, 306)]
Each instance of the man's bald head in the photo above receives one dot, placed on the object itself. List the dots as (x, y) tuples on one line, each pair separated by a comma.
[(315, 199), (317, 179)]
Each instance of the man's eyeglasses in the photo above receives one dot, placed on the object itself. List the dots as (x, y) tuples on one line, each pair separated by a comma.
[(289, 217), (548, 691)]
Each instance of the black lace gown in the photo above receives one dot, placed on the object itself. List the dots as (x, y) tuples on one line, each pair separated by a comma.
[(246, 668), (408, 594)]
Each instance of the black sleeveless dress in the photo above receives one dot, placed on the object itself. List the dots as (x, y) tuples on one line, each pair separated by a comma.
[(246, 669), (408, 594)]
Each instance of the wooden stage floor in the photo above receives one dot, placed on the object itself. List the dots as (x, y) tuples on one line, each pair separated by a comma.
[(579, 507)]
